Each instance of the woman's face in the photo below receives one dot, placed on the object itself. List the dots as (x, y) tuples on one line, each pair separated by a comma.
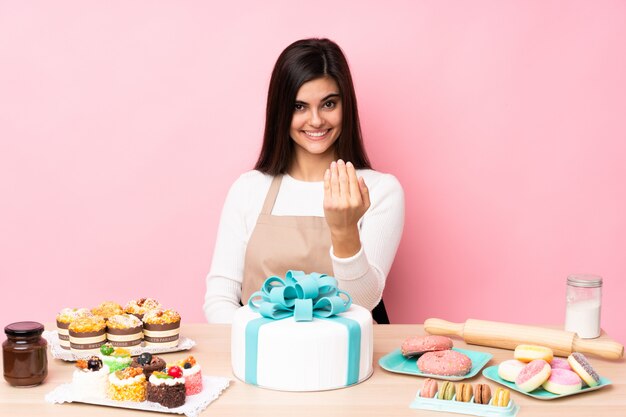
[(316, 122)]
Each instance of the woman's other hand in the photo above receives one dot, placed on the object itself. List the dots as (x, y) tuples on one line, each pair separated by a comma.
[(346, 199)]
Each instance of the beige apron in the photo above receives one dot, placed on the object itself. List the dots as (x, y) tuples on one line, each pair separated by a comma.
[(281, 243)]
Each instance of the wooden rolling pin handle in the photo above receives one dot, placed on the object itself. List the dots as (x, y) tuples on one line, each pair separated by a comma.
[(607, 349), (443, 327)]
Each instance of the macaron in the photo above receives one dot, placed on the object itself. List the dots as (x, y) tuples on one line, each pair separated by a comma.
[(533, 375), (445, 362), (447, 391), (583, 368), (429, 389), (563, 381), (482, 394), (501, 397), (560, 363), (510, 369), (464, 392), (528, 353), (417, 345)]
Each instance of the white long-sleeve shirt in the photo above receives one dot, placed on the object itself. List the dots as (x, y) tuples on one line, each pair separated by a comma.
[(363, 275)]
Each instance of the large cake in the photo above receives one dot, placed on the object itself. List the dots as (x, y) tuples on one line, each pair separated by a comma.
[(282, 341)]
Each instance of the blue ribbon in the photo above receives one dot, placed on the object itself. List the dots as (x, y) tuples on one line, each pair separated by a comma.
[(302, 296)]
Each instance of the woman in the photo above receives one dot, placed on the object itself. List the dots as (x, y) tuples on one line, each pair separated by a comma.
[(312, 202)]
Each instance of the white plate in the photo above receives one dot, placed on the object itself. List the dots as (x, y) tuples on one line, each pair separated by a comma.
[(212, 388), (67, 355)]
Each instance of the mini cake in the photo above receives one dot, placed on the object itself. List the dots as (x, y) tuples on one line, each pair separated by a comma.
[(149, 363), (192, 374), (124, 330), (87, 334), (167, 388), (107, 309), (142, 306), (127, 385), (90, 378), (64, 319), (115, 358), (161, 328)]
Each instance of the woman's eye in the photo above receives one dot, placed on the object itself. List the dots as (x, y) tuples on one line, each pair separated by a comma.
[(298, 107), (329, 105)]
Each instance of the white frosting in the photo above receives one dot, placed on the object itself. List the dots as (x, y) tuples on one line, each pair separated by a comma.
[(154, 380), (193, 370), (118, 359), (124, 321), (89, 384), (113, 379), (302, 356)]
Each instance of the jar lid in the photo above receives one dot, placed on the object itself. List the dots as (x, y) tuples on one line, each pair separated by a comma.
[(584, 280), (24, 329)]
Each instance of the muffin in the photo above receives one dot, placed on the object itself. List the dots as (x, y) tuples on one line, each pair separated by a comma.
[(149, 363), (64, 318), (90, 378), (127, 385), (192, 374), (124, 330), (167, 388), (161, 328), (142, 306), (107, 309), (116, 358), (87, 334)]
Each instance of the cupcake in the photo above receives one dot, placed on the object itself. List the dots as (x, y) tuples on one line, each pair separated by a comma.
[(161, 328), (124, 330), (87, 334), (192, 374), (64, 318), (149, 363), (107, 309), (167, 388), (127, 385), (90, 378), (142, 306), (115, 358)]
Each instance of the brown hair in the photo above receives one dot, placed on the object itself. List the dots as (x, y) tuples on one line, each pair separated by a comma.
[(300, 62)]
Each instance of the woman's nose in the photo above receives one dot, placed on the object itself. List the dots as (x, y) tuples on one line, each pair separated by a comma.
[(315, 120)]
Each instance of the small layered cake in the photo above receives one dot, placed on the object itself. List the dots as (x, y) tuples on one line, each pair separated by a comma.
[(142, 306), (149, 363), (115, 358), (87, 334), (124, 330), (90, 378), (161, 328), (127, 385), (192, 374), (167, 388), (64, 319), (107, 309)]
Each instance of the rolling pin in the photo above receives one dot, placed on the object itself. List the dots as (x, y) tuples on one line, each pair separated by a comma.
[(508, 336)]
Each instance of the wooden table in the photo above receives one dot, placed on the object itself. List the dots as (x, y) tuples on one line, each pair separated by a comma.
[(384, 394)]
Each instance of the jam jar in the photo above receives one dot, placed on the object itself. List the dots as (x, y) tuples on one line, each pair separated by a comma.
[(24, 354)]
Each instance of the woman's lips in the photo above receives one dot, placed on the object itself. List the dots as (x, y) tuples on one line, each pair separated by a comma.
[(316, 134)]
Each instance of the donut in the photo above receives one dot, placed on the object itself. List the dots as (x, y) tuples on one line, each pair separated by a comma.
[(563, 381), (416, 345), (583, 368), (444, 362), (528, 353), (510, 369), (482, 394), (533, 375), (429, 389), (560, 363)]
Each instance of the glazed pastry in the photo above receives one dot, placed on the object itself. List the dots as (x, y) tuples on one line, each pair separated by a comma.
[(417, 345), (562, 381), (560, 363), (148, 363), (447, 391), (86, 335), (124, 330), (510, 369), (429, 389), (464, 392), (141, 306), (161, 328), (482, 394), (583, 368), (501, 397), (528, 353), (107, 309), (533, 375), (64, 319), (444, 362), (127, 385)]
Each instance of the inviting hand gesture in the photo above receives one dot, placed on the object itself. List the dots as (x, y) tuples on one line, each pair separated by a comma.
[(346, 199)]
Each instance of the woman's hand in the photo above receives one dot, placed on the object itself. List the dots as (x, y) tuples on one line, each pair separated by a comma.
[(346, 199)]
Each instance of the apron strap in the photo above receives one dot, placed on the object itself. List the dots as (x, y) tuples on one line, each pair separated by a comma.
[(270, 198)]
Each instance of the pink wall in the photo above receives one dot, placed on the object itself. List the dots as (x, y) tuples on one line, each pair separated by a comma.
[(122, 125)]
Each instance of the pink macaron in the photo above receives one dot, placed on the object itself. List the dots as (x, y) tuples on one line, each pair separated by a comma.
[(533, 375), (429, 389), (444, 362), (563, 381)]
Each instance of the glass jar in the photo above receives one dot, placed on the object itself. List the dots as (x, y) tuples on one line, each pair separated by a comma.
[(584, 299), (24, 354)]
